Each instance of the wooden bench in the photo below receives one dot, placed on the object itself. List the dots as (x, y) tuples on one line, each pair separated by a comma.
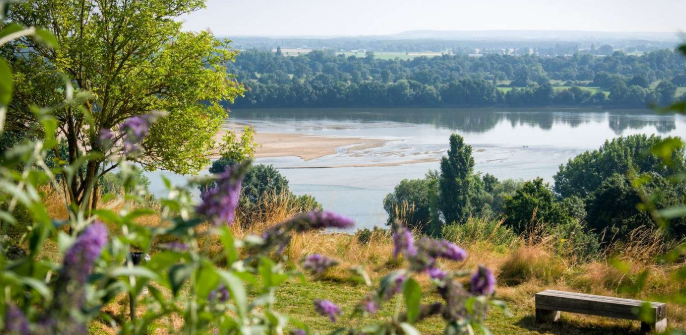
[(550, 303)]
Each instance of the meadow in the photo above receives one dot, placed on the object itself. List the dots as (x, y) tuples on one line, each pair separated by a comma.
[(524, 265)]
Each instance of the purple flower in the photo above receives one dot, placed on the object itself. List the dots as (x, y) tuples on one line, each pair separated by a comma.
[(298, 332), (105, 138), (15, 321), (404, 243), (79, 259), (135, 129), (436, 273), (327, 308), (219, 203), (369, 305), (221, 294), (318, 263), (483, 282), (452, 251), (318, 220), (394, 287)]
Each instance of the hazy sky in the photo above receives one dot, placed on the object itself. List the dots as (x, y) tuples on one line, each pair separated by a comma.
[(381, 17)]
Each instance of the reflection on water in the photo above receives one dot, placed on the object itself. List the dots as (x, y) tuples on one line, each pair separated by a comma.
[(508, 143), (473, 120)]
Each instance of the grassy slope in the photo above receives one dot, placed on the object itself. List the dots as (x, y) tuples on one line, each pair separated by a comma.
[(523, 269)]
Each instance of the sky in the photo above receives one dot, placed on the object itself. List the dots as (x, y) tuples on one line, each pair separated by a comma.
[(383, 17)]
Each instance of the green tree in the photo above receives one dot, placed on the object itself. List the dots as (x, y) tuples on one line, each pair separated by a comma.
[(127, 72), (586, 172), (456, 186), (666, 91), (613, 207), (533, 203), (410, 203)]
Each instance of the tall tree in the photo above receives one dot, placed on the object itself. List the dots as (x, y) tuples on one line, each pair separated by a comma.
[(456, 186), (133, 59)]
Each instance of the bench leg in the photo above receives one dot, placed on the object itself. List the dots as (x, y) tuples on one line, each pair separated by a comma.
[(545, 316), (659, 326)]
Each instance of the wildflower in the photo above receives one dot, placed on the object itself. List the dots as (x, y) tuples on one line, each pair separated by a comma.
[(79, 259), (105, 138), (298, 332), (404, 243), (219, 203), (15, 321), (327, 308), (369, 305), (452, 251), (221, 294), (394, 287), (135, 129), (483, 282), (318, 263), (436, 273), (318, 220)]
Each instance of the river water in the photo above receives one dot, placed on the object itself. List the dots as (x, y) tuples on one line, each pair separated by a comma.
[(508, 143)]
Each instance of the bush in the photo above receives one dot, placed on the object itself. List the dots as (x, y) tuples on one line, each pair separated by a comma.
[(612, 208), (533, 203), (409, 203)]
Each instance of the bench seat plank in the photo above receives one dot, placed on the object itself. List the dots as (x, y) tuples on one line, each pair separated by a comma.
[(594, 305)]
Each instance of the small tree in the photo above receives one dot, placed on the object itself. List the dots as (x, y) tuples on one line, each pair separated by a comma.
[(533, 203), (131, 58)]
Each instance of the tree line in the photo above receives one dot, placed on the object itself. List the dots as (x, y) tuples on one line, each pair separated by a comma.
[(324, 79), (593, 199)]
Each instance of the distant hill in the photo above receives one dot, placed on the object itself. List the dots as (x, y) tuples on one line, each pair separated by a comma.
[(535, 35)]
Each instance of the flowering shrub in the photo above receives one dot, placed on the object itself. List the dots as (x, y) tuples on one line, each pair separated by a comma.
[(96, 263)]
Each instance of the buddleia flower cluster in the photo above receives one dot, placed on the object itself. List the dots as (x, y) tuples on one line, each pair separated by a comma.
[(317, 263), (219, 203), (277, 237), (422, 257)]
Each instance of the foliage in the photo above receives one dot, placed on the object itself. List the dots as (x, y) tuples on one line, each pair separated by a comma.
[(410, 204), (533, 203), (234, 151), (116, 72), (324, 79), (584, 173), (456, 186), (477, 230), (613, 211)]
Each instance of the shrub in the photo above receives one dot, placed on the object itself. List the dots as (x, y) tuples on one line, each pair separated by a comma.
[(531, 204), (409, 203)]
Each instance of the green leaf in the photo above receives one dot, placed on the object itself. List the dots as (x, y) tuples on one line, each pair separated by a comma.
[(229, 245), (6, 83), (408, 329), (673, 213), (136, 271), (46, 38), (10, 29), (37, 285), (413, 296), (178, 274), (237, 290), (207, 281)]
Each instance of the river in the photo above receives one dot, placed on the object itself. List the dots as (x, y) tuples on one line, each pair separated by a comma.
[(508, 143)]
